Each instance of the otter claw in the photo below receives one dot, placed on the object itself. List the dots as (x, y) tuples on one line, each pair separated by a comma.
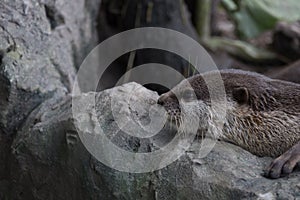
[(284, 164)]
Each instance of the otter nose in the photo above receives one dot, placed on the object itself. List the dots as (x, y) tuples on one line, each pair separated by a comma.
[(160, 101)]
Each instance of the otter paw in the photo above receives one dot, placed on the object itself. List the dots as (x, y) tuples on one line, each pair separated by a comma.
[(284, 164)]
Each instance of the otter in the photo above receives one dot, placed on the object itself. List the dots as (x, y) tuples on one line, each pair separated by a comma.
[(262, 114)]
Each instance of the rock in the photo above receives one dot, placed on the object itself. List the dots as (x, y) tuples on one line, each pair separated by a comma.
[(41, 44), (49, 160)]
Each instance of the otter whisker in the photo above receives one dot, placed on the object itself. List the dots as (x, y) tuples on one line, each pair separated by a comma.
[(169, 122), (165, 118), (181, 120), (172, 118)]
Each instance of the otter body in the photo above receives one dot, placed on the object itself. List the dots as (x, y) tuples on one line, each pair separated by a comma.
[(262, 114)]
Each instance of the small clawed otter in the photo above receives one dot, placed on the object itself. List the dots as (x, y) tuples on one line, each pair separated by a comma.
[(262, 114)]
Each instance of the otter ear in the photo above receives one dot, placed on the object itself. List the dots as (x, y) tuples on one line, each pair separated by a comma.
[(241, 95)]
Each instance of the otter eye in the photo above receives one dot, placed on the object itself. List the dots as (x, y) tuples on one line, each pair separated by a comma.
[(188, 95)]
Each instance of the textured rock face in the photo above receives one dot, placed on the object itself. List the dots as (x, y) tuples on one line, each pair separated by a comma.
[(40, 43), (49, 161)]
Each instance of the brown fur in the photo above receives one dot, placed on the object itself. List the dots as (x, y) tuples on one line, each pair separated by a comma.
[(264, 114)]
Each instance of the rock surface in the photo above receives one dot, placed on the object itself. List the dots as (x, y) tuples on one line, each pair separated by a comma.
[(40, 43), (48, 159)]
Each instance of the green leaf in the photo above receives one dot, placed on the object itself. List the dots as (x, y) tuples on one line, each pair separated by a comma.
[(229, 5), (240, 49), (257, 16)]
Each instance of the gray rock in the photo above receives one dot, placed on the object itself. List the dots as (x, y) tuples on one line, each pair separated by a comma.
[(41, 44), (49, 160)]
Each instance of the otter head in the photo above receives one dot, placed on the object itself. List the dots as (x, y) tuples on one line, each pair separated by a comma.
[(192, 96), (242, 89), (187, 103)]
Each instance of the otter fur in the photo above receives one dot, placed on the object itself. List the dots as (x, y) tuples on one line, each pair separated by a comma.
[(262, 114)]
